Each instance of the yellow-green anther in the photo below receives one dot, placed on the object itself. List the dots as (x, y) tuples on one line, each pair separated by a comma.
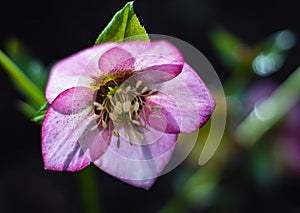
[(136, 106)]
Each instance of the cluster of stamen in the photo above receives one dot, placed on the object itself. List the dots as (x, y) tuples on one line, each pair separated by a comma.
[(121, 108)]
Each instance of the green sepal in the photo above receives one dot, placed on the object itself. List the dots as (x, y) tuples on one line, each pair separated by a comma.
[(39, 117)]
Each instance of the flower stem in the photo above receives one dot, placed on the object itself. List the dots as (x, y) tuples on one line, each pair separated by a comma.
[(89, 191), (29, 88), (270, 111)]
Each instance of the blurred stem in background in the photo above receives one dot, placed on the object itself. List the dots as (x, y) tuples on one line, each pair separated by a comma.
[(269, 112), (28, 88), (89, 190)]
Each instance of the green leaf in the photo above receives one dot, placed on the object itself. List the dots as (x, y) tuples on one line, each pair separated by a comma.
[(123, 25), (39, 117)]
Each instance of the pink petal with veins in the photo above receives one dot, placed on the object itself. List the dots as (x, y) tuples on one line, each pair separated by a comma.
[(116, 61), (64, 135), (155, 62), (186, 102), (141, 163), (79, 69)]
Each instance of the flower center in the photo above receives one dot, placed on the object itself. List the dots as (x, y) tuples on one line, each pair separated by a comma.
[(121, 109)]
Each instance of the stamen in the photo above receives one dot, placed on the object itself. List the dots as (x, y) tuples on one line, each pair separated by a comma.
[(98, 106), (136, 106), (94, 127), (118, 91), (139, 135), (111, 99), (101, 132), (120, 107), (148, 107), (156, 109), (104, 125), (112, 116), (115, 133), (138, 84), (152, 91), (107, 139), (155, 116), (127, 88), (144, 89), (136, 122), (126, 106), (118, 141), (97, 115)]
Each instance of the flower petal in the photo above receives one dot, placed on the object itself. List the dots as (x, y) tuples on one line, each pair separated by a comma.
[(138, 164), (155, 62), (69, 141), (116, 60), (67, 73), (186, 103), (74, 100)]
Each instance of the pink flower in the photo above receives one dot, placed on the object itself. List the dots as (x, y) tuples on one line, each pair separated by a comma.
[(121, 107)]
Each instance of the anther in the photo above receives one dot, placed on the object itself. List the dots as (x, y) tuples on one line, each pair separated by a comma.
[(156, 109), (126, 106), (107, 140), (136, 122), (155, 116), (98, 106), (139, 135), (128, 88), (104, 125), (118, 107), (94, 127), (138, 84), (97, 115), (136, 106), (148, 107), (112, 116), (152, 91), (144, 89)]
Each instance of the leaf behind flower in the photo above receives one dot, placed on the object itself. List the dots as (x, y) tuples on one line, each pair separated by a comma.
[(123, 25)]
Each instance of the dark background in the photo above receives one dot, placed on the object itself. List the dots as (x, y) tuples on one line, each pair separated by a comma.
[(55, 29)]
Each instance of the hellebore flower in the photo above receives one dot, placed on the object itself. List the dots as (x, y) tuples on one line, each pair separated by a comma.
[(121, 107)]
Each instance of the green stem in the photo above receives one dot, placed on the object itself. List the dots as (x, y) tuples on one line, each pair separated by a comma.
[(270, 111), (21, 79), (89, 190)]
